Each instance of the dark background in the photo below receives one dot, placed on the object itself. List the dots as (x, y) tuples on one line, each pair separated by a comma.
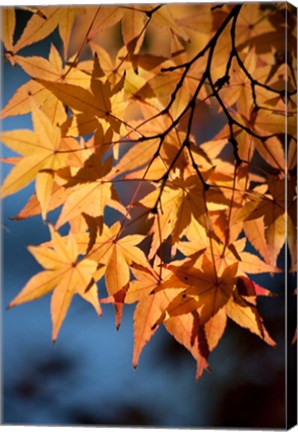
[(87, 377)]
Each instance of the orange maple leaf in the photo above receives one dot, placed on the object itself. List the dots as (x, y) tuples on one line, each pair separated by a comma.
[(65, 274), (44, 152)]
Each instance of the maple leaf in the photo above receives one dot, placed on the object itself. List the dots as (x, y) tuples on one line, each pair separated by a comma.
[(51, 69), (205, 291), (33, 208), (245, 314), (8, 27), (146, 157), (254, 28), (273, 208), (95, 21), (164, 17), (37, 156), (44, 21), (138, 69), (189, 18), (114, 254), (255, 231), (43, 153), (202, 297), (239, 86), (91, 191), (235, 187), (179, 202), (207, 336), (65, 274), (181, 328), (153, 295), (234, 253), (100, 101), (214, 330), (133, 26), (270, 149), (149, 306)]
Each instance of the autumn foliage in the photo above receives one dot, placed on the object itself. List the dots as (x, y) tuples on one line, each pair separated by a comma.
[(175, 219)]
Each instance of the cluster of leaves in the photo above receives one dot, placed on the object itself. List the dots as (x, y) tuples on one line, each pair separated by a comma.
[(120, 127)]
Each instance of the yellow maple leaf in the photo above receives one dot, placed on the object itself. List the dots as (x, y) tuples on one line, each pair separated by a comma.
[(42, 152), (8, 27), (115, 255), (245, 314), (206, 291), (65, 274), (100, 103), (179, 202), (43, 22), (91, 191)]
